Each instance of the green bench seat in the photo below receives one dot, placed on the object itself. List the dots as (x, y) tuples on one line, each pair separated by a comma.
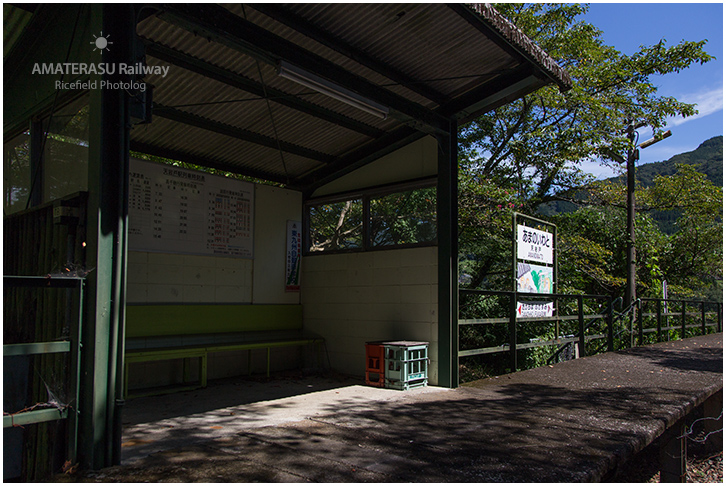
[(167, 332)]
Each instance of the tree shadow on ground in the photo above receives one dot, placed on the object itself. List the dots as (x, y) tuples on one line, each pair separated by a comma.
[(572, 422)]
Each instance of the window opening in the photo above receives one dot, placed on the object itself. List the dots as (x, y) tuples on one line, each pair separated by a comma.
[(336, 226), (403, 218), (399, 216), (16, 173)]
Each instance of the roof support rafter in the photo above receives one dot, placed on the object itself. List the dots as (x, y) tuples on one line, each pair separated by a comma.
[(489, 96), (205, 161), (484, 25), (186, 118), (359, 157), (191, 63), (220, 25), (285, 16)]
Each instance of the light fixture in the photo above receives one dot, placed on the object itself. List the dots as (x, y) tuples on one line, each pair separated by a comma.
[(312, 81)]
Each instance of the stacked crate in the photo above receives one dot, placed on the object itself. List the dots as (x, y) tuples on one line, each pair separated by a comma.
[(403, 364), (375, 373)]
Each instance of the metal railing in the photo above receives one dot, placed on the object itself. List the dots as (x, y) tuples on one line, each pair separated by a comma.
[(609, 328), (40, 413), (580, 336), (686, 314)]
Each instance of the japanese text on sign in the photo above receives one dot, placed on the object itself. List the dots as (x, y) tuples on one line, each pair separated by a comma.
[(534, 245), (535, 309), (182, 211)]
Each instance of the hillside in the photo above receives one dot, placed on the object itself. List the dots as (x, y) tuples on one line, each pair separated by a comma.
[(707, 159)]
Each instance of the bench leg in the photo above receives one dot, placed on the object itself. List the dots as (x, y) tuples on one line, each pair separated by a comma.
[(268, 362), (203, 370), (249, 362), (126, 380), (187, 372)]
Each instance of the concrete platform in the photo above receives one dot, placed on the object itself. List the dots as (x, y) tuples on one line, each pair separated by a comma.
[(572, 422)]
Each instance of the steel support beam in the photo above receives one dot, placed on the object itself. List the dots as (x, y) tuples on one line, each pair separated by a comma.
[(359, 157), (448, 258), (484, 26), (181, 156), (222, 26), (285, 16), (186, 118), (500, 90), (243, 83), (107, 173)]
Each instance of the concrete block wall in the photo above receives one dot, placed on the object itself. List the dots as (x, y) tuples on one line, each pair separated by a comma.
[(162, 278), (354, 298), (166, 278)]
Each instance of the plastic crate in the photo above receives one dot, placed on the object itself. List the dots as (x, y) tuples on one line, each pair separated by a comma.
[(406, 364), (375, 373)]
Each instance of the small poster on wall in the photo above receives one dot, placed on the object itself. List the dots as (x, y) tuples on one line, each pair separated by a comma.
[(294, 252)]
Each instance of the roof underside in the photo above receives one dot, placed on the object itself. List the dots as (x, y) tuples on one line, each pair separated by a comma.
[(223, 104)]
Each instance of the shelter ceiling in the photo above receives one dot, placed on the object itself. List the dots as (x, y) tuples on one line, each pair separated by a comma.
[(223, 104)]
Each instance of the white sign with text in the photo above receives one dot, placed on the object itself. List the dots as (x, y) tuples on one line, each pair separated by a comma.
[(534, 245)]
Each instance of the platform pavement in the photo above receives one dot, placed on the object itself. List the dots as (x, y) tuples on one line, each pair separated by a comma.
[(572, 422)]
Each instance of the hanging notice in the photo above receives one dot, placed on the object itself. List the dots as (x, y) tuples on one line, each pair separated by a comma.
[(184, 211), (294, 251), (534, 279), (535, 309), (534, 245)]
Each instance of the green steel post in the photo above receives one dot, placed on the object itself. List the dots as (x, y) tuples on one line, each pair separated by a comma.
[(514, 252), (703, 317), (36, 164), (611, 343), (76, 333), (719, 309), (448, 260), (107, 165), (639, 307), (513, 330), (581, 325), (683, 320), (658, 322)]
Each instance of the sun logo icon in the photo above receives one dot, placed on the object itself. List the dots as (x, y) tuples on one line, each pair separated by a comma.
[(101, 42)]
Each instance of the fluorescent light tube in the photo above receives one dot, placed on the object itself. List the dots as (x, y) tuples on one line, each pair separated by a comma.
[(321, 85)]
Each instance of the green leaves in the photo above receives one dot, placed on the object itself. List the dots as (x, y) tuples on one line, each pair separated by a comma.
[(545, 136)]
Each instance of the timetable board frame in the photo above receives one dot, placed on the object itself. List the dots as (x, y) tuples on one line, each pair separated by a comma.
[(175, 210)]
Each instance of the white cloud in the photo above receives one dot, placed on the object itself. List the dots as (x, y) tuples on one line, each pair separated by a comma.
[(707, 102)]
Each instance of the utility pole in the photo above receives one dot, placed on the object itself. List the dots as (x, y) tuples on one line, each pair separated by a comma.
[(633, 155)]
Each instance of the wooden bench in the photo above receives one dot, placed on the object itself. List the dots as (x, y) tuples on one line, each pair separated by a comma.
[(167, 332)]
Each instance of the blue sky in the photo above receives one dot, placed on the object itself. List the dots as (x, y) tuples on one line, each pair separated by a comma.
[(627, 26)]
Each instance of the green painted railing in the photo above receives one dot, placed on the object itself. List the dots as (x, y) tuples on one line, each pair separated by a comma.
[(48, 412)]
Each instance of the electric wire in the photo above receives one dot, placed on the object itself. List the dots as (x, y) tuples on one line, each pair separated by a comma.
[(269, 110)]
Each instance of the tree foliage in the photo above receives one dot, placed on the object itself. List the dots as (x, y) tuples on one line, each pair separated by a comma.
[(528, 152), (536, 143)]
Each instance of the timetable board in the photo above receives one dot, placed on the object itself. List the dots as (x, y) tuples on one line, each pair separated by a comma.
[(177, 210)]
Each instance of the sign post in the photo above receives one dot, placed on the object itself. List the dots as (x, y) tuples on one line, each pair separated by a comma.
[(534, 264)]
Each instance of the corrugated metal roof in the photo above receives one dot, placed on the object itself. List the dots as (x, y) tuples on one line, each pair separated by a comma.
[(433, 56), (14, 22)]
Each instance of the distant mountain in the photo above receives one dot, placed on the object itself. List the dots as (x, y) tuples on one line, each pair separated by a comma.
[(707, 159)]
